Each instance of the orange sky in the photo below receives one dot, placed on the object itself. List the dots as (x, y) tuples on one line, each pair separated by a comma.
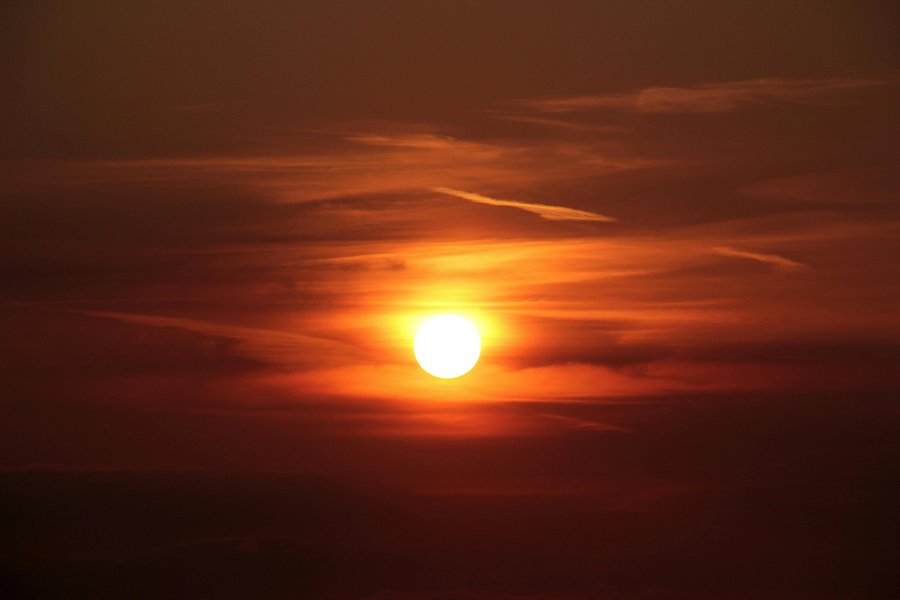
[(250, 209), (675, 224)]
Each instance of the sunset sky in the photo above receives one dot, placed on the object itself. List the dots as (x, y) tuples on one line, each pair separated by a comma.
[(675, 225)]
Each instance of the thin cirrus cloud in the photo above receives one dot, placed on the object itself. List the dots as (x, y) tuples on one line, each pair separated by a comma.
[(270, 346), (545, 211), (707, 97), (779, 262), (852, 187), (367, 163)]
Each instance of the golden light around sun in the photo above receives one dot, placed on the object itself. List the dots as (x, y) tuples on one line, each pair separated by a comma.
[(447, 346)]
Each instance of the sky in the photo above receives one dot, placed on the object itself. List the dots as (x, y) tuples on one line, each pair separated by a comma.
[(674, 224)]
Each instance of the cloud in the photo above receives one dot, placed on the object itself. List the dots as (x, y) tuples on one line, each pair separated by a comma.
[(859, 187), (779, 262), (560, 124), (708, 97), (270, 346), (350, 165), (424, 141), (545, 211), (585, 424)]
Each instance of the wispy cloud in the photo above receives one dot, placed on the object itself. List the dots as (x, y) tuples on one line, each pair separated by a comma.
[(779, 262), (269, 346), (585, 424), (708, 97), (354, 164), (855, 187), (560, 124), (545, 211)]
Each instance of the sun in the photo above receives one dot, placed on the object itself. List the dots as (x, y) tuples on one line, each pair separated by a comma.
[(447, 346)]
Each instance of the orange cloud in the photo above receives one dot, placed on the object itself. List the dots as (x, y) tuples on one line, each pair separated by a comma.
[(383, 161), (545, 211), (779, 262), (708, 97), (271, 346)]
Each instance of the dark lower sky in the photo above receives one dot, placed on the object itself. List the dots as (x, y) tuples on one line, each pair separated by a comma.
[(675, 226)]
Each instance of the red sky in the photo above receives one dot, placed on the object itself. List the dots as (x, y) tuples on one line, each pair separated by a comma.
[(675, 225)]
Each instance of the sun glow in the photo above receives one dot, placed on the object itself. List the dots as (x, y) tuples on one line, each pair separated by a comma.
[(447, 346)]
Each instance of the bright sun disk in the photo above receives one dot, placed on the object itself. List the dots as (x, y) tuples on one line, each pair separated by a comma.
[(447, 346)]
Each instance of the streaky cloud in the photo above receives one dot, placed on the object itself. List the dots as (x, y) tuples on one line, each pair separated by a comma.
[(560, 124), (545, 211), (707, 97), (585, 424), (268, 346), (779, 262)]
